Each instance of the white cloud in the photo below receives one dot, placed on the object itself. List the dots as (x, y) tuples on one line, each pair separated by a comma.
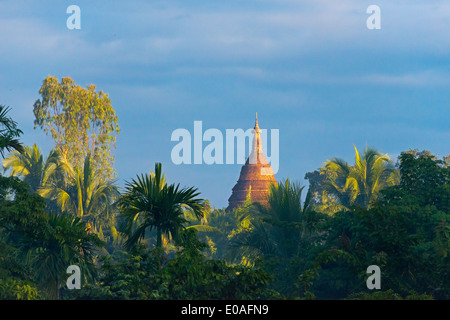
[(176, 33)]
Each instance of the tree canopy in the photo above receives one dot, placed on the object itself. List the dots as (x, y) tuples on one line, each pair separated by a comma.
[(80, 120), (158, 240)]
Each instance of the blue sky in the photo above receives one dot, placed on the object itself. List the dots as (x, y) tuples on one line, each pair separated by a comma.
[(309, 68)]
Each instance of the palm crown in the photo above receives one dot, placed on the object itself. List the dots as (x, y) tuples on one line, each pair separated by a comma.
[(150, 203), (360, 184)]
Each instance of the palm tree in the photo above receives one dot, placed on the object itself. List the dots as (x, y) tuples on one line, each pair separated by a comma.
[(64, 241), (360, 184), (8, 133), (78, 192), (150, 203), (278, 227), (31, 166)]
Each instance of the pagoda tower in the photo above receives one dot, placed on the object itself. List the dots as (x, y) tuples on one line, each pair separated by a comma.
[(256, 175)]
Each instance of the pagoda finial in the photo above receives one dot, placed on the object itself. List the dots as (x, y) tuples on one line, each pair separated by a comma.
[(256, 122)]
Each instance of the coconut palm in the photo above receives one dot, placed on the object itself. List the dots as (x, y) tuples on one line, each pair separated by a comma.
[(78, 192), (360, 184), (150, 203), (8, 133), (31, 166)]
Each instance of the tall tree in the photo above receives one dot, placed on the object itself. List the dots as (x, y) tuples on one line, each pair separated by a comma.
[(150, 203), (8, 132), (80, 120)]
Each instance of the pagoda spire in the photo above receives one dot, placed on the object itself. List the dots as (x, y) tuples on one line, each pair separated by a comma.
[(256, 155), (255, 177)]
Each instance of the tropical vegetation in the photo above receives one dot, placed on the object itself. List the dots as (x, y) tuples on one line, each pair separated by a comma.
[(157, 240)]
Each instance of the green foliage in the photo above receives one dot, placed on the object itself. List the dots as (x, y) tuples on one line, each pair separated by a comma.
[(73, 190), (20, 212), (31, 166), (339, 186), (124, 276), (323, 200), (81, 193), (11, 289), (405, 233), (16, 277), (80, 120), (318, 249), (65, 241), (283, 234), (422, 176), (46, 242), (8, 132), (189, 275), (150, 203), (217, 227)]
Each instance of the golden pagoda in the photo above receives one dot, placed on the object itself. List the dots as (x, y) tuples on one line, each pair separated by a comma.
[(256, 175)]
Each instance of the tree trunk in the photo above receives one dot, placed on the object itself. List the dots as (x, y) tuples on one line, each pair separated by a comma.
[(158, 238)]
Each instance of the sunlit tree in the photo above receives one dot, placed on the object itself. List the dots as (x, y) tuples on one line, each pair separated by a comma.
[(78, 191), (31, 166), (80, 120), (360, 183)]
